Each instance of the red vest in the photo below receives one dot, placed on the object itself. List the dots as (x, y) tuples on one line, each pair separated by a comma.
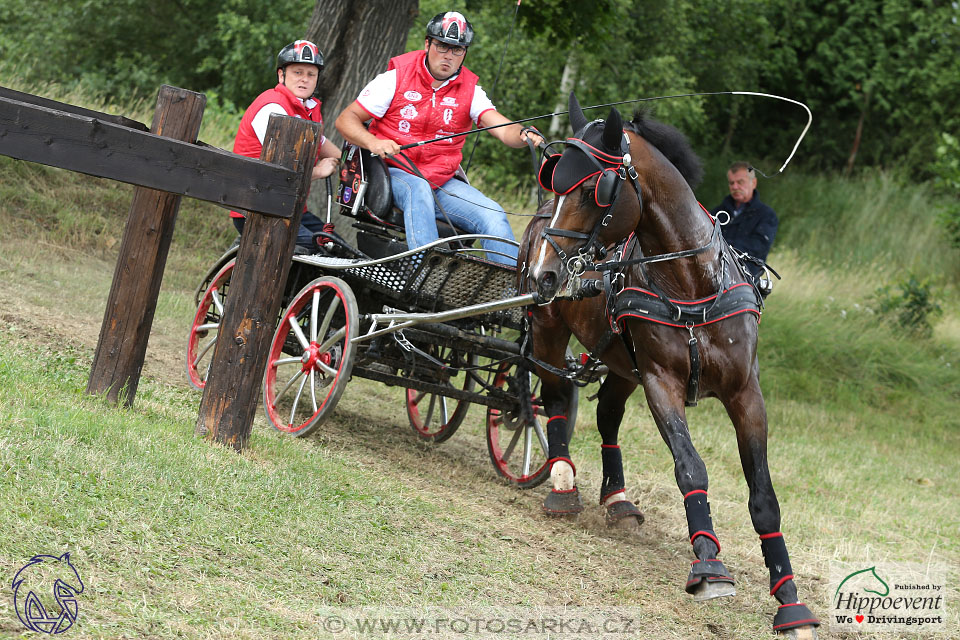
[(247, 144), (420, 112)]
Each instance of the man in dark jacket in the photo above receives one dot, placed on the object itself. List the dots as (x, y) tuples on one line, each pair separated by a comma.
[(753, 224)]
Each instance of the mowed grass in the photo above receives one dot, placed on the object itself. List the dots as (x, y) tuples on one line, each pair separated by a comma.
[(177, 537), (174, 535)]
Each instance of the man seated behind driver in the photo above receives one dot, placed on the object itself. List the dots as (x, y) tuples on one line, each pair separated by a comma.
[(424, 95)]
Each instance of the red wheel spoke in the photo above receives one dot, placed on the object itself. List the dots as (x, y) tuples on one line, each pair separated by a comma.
[(217, 302)]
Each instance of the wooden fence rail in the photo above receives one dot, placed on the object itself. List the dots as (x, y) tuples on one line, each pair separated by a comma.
[(164, 164), (98, 145)]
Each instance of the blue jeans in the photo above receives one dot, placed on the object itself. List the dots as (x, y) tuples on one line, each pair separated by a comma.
[(309, 224), (466, 207)]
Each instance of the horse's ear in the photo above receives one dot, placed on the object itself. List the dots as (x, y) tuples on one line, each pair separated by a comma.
[(613, 130), (577, 120)]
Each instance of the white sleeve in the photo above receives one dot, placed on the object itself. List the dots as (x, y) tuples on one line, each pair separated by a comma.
[(378, 94), (479, 104), (260, 121)]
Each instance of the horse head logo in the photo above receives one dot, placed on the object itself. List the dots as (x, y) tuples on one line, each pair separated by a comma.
[(867, 577), (45, 594)]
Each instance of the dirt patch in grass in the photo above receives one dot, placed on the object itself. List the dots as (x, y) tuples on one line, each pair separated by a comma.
[(55, 299)]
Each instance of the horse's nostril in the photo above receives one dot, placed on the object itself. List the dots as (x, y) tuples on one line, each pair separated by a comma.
[(547, 285)]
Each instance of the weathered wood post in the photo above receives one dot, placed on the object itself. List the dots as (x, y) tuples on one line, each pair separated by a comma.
[(232, 390), (143, 255)]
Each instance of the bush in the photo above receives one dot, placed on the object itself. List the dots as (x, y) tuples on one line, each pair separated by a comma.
[(913, 305), (947, 182)]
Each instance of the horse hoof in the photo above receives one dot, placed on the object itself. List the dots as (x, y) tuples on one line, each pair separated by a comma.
[(563, 503), (795, 620), (709, 579), (710, 590), (623, 514)]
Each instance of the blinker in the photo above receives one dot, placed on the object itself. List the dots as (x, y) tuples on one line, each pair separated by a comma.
[(581, 160)]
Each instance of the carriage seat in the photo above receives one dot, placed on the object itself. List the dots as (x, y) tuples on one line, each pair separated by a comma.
[(376, 206)]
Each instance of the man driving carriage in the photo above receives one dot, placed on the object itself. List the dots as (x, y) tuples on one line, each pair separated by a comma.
[(298, 70), (430, 94)]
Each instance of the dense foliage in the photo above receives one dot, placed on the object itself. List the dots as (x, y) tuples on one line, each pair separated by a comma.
[(127, 48), (890, 68), (946, 168)]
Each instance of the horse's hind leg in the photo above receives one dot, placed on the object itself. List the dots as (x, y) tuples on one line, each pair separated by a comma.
[(611, 401), (708, 578), (748, 414)]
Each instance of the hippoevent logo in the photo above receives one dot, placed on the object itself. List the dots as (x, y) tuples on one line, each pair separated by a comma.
[(45, 594), (888, 597)]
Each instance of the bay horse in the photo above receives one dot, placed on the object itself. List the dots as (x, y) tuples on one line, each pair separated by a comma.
[(674, 311)]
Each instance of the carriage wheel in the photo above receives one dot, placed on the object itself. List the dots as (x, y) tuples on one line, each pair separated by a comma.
[(429, 413), (311, 356), (518, 448), (206, 327)]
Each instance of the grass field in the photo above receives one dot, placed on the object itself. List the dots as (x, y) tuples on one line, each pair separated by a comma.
[(175, 537)]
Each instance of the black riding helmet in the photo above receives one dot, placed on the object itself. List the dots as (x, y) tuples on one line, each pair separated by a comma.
[(301, 51), (452, 28)]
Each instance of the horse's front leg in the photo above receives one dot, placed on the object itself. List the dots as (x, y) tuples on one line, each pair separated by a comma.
[(748, 414), (550, 338), (611, 401), (708, 578)]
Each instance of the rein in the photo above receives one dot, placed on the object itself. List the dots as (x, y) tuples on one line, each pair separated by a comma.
[(616, 265)]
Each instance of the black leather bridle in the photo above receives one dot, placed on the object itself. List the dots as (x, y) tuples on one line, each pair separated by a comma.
[(612, 171)]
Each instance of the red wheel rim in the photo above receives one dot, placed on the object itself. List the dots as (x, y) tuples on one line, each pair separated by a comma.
[(494, 420), (194, 354), (311, 360)]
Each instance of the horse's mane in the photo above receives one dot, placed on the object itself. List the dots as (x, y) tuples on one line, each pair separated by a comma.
[(671, 143)]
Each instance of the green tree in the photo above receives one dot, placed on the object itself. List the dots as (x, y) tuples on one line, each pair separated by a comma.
[(946, 168), (894, 64), (127, 48)]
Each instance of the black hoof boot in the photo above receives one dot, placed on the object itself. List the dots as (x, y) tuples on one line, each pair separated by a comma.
[(563, 503), (709, 579), (795, 621), (624, 513)]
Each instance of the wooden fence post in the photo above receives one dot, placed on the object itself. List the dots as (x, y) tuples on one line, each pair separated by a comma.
[(142, 257), (231, 394)]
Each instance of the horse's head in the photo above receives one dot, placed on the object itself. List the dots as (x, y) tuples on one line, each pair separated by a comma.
[(593, 211)]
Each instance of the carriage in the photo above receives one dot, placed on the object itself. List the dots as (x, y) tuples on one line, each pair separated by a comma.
[(441, 322)]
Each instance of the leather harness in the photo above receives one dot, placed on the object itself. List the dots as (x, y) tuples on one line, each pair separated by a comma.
[(650, 304)]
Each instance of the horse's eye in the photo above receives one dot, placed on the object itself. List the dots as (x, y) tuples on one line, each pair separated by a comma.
[(587, 195), (587, 192)]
